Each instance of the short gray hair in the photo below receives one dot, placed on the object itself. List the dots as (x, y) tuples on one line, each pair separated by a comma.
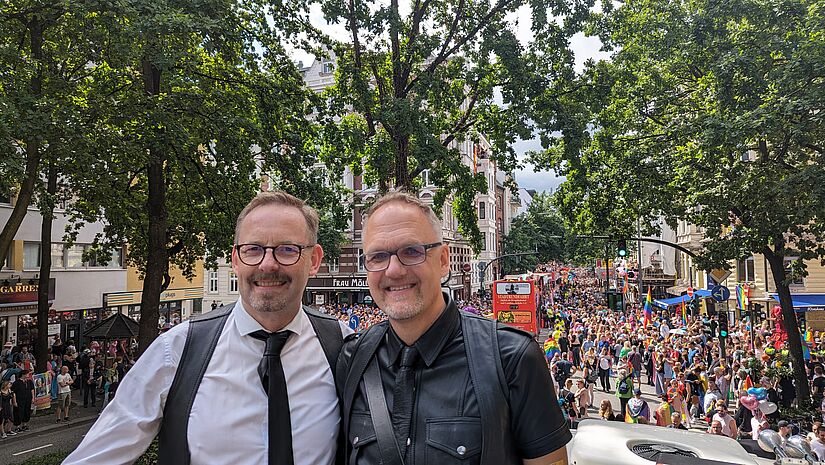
[(286, 200), (400, 196)]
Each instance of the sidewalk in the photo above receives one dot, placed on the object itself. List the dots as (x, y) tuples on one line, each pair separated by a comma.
[(45, 420)]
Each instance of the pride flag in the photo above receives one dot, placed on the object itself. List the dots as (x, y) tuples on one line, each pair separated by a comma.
[(684, 313), (742, 296), (648, 308), (747, 383), (809, 336), (551, 347)]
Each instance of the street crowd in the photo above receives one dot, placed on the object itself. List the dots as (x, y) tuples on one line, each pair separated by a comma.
[(593, 347), (92, 372)]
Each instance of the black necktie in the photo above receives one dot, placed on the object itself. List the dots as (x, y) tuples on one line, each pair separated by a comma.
[(271, 372), (402, 398)]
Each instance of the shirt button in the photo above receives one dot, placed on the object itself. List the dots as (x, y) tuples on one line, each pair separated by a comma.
[(461, 450), (355, 441)]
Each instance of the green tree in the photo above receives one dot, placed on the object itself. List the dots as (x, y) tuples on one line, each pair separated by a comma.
[(419, 83), (709, 112), (192, 101)]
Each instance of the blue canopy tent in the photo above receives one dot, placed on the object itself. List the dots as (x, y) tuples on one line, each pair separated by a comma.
[(805, 302), (665, 303)]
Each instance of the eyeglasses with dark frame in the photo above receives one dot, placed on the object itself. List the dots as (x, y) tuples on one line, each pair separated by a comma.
[(408, 256), (284, 254)]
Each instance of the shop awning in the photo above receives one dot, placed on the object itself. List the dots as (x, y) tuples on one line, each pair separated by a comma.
[(117, 326), (665, 303), (804, 302)]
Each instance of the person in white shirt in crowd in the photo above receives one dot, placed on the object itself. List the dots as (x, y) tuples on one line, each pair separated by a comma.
[(64, 394), (274, 254), (818, 444)]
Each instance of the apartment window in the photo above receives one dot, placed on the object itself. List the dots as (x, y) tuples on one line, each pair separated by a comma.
[(7, 261), (745, 270), (361, 260), (482, 210), (74, 256), (31, 255), (425, 178), (329, 68), (117, 259), (57, 255), (333, 265), (233, 282), (788, 262), (213, 282)]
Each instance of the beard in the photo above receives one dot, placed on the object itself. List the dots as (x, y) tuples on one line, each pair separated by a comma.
[(404, 310), (269, 302)]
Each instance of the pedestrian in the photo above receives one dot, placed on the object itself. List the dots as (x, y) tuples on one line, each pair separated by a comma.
[(6, 409), (23, 389), (605, 363), (254, 380), (624, 390), (676, 421), (818, 444), (723, 417), (422, 358), (606, 411), (637, 410), (583, 399), (64, 396)]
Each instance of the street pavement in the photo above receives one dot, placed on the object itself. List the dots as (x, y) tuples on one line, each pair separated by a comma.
[(46, 436)]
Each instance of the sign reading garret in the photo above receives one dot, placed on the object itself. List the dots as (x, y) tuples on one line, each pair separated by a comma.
[(19, 294), (345, 283)]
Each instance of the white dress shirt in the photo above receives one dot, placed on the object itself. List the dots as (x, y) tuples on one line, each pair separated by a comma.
[(228, 423)]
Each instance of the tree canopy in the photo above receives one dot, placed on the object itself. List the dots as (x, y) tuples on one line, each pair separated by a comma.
[(708, 112)]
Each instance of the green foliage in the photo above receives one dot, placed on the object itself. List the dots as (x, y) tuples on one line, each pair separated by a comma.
[(54, 458), (710, 113), (534, 229), (417, 87)]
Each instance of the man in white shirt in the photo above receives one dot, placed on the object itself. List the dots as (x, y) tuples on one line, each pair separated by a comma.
[(64, 393), (275, 252), (818, 444)]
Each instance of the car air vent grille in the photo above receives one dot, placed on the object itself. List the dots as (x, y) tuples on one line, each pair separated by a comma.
[(652, 451)]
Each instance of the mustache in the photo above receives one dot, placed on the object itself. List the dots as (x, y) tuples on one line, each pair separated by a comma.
[(270, 277)]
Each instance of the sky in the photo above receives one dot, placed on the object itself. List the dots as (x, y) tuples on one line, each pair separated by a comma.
[(583, 47)]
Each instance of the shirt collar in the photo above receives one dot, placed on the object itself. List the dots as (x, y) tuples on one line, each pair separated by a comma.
[(247, 325), (433, 341)]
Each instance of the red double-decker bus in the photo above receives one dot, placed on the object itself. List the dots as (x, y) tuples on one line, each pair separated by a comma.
[(514, 303)]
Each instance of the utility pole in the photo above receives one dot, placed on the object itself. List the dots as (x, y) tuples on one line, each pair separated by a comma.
[(639, 255)]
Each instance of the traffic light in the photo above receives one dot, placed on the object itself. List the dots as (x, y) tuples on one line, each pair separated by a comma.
[(723, 324), (622, 249), (693, 306)]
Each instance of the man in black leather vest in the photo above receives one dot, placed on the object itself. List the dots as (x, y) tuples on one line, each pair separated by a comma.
[(413, 390)]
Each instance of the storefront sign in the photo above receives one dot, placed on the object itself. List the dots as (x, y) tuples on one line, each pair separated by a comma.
[(319, 299), (338, 283), (54, 329), (133, 298), (17, 294)]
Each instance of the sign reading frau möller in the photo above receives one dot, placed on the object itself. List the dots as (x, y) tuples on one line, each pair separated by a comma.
[(344, 283), (17, 294)]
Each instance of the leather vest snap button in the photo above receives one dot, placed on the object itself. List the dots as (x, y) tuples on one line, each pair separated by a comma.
[(461, 450)]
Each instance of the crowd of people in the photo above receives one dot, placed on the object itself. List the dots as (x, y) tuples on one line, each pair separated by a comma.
[(678, 355), (69, 370)]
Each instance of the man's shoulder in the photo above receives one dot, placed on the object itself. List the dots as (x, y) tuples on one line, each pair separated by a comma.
[(351, 341)]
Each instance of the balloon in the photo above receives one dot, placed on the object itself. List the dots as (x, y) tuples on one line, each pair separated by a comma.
[(752, 391), (749, 402), (767, 407)]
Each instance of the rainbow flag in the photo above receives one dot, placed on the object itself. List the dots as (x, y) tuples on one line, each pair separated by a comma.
[(648, 308), (551, 348), (742, 296), (747, 383), (809, 336), (684, 313)]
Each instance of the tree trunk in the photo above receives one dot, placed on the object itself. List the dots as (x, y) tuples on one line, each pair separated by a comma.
[(402, 153), (157, 260), (776, 261), (41, 347), (32, 143)]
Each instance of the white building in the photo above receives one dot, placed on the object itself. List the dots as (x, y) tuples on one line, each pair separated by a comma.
[(78, 287)]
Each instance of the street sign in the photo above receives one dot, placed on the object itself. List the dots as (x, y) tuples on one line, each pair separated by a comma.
[(690, 292), (354, 321), (481, 266), (719, 275), (720, 293), (466, 267)]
